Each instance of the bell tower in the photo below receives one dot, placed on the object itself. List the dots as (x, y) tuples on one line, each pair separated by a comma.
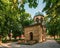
[(38, 18)]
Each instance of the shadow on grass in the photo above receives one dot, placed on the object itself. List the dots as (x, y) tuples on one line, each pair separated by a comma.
[(28, 43), (58, 40), (7, 41)]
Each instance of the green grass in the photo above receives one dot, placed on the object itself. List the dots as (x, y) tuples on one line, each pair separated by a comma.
[(58, 40), (14, 40)]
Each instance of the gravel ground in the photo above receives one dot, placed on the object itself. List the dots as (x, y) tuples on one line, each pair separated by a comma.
[(47, 44)]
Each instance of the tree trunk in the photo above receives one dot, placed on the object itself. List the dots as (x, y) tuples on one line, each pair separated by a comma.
[(54, 36), (0, 39), (15, 38), (59, 36)]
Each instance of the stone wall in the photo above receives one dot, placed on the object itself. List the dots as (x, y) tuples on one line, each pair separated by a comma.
[(36, 30)]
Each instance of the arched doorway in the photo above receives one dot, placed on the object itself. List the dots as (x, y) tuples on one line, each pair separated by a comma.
[(31, 36)]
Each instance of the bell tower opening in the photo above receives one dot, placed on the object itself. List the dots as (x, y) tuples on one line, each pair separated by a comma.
[(39, 17), (37, 20)]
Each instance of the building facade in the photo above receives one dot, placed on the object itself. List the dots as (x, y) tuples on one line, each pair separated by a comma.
[(36, 31)]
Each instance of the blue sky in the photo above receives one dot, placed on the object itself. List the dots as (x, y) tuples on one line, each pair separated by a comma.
[(39, 8)]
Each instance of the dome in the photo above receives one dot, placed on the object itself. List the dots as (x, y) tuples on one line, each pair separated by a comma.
[(38, 14)]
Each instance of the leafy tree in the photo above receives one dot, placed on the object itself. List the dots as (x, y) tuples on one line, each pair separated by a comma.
[(12, 17), (52, 9), (53, 25)]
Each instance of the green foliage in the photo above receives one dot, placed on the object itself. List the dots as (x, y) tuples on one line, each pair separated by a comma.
[(52, 7), (31, 3), (53, 25), (12, 17)]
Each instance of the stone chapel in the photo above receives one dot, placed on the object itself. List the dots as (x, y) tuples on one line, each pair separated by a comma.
[(37, 30)]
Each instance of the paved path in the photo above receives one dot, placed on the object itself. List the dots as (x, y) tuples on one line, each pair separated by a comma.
[(47, 44)]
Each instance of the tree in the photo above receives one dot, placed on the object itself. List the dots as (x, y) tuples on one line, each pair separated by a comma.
[(10, 12), (52, 10), (25, 20), (52, 7), (53, 26)]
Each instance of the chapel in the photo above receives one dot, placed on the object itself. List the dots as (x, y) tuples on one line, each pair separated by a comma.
[(37, 30)]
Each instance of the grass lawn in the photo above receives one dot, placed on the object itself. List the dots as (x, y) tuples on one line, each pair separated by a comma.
[(14, 40), (6, 41), (58, 40)]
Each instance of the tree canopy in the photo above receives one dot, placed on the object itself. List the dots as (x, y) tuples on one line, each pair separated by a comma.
[(52, 10), (52, 7), (14, 17)]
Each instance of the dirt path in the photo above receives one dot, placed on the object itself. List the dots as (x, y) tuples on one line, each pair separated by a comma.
[(47, 44)]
